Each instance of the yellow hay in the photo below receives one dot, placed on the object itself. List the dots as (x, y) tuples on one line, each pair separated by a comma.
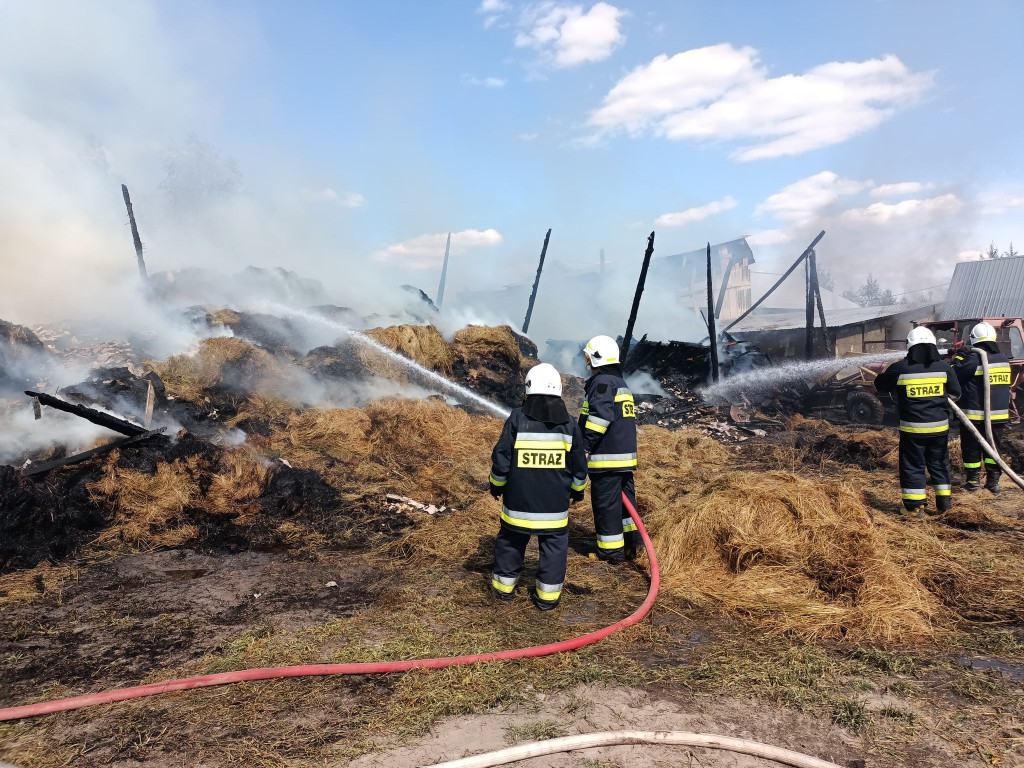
[(795, 554), (422, 343)]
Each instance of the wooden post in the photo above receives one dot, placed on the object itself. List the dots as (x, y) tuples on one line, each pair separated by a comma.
[(135, 237), (712, 332), (628, 337), (37, 409), (147, 418), (808, 311), (536, 282), (830, 342)]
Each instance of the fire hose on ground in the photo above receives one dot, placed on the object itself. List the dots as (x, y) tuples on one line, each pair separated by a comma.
[(988, 446), (503, 757), (658, 738), (361, 668)]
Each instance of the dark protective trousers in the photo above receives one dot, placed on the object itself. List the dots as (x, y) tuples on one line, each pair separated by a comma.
[(509, 551), (918, 453), (615, 529), (974, 457)]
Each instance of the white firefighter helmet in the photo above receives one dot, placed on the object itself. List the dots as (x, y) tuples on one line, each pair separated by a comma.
[(920, 335), (543, 379), (602, 350), (982, 332)]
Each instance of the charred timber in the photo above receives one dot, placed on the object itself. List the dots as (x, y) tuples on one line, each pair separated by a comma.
[(536, 282), (830, 342), (135, 236), (627, 338), (48, 466), (712, 333), (90, 414)]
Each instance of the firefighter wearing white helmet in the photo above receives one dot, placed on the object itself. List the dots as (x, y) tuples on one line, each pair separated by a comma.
[(608, 423), (538, 468), (971, 374), (922, 381)]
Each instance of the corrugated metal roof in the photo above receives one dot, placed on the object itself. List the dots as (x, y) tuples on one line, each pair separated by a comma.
[(989, 288), (836, 318)]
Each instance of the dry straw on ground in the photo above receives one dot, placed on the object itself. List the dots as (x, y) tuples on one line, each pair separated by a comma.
[(795, 554)]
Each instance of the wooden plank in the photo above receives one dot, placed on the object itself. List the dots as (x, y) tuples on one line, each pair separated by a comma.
[(34, 470), (89, 414), (150, 402)]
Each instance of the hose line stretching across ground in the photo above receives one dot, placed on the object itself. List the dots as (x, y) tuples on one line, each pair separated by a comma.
[(363, 668), (612, 738)]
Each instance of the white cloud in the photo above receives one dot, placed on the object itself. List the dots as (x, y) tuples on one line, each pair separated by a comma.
[(486, 82), (329, 195), (996, 203), (492, 11), (723, 93), (804, 200), (567, 36), (529, 136), (900, 189), (969, 256), (769, 237), (883, 213), (428, 250), (682, 218)]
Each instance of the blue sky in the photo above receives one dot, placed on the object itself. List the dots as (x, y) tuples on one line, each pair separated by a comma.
[(363, 132)]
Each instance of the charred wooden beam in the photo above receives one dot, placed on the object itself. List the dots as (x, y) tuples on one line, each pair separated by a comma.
[(627, 338), (135, 237), (778, 282), (830, 341), (712, 334), (536, 282), (89, 414), (808, 310), (48, 466)]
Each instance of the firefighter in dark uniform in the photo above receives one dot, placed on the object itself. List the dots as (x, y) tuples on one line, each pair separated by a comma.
[(540, 467), (608, 422), (922, 381), (971, 375)]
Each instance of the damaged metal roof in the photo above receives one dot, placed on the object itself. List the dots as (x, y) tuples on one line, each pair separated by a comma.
[(988, 288), (837, 318)]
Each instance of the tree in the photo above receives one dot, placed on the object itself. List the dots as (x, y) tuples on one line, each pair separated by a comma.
[(1010, 254), (991, 253), (871, 294)]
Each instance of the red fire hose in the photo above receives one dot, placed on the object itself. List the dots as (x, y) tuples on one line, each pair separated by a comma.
[(364, 668)]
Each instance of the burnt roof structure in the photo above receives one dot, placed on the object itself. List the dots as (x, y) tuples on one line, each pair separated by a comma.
[(987, 288)]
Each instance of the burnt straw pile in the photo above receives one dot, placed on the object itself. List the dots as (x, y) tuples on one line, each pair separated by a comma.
[(267, 436)]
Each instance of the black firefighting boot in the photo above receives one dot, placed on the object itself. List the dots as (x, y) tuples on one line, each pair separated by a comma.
[(992, 475), (541, 604), (973, 480), (505, 597)]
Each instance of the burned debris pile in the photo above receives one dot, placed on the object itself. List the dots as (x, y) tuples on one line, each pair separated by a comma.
[(246, 450)]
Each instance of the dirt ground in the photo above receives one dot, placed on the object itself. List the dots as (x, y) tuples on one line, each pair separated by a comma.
[(92, 624)]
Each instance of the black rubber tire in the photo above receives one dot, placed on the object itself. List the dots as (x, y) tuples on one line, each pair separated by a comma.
[(864, 407)]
